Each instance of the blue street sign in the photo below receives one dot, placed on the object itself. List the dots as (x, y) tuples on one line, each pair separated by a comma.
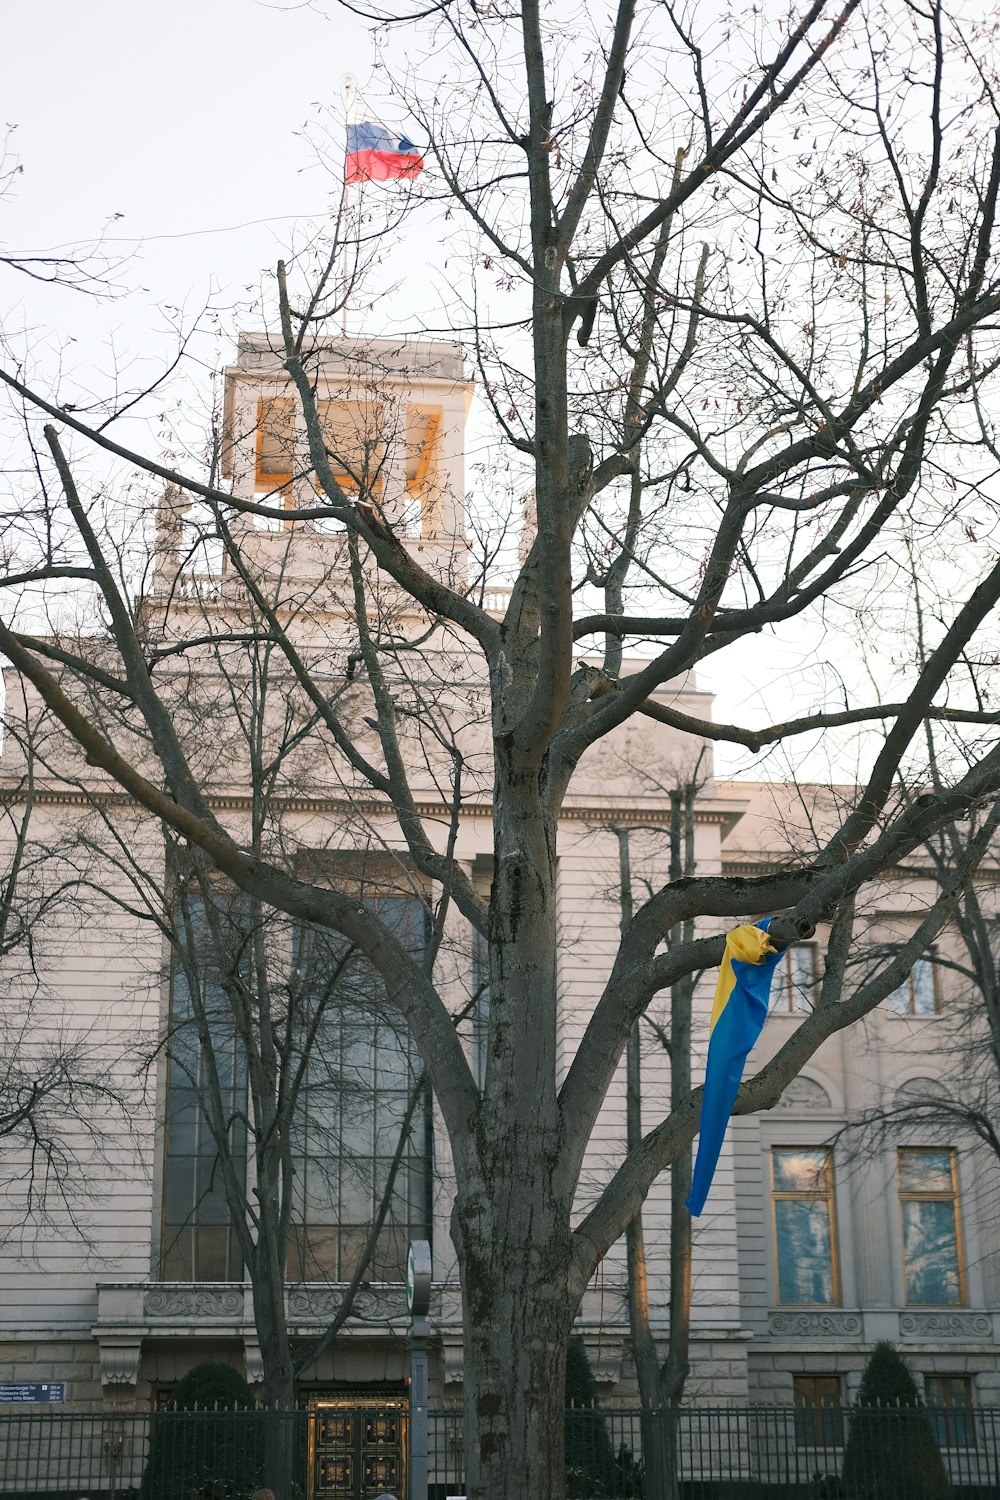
[(53, 1390)]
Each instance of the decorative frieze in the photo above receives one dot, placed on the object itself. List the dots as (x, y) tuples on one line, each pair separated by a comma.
[(816, 1325), (194, 1302), (318, 1304), (931, 1326)]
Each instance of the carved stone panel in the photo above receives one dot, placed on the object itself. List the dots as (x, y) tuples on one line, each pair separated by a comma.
[(816, 1325), (804, 1095), (946, 1325), (194, 1302), (311, 1304), (318, 1304)]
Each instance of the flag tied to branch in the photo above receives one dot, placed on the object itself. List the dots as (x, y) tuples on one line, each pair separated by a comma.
[(738, 1015), (374, 154)]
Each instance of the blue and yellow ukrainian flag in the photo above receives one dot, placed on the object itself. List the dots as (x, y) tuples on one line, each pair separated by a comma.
[(738, 1015)]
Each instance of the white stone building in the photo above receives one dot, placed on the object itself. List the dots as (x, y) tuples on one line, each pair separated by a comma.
[(796, 1275)]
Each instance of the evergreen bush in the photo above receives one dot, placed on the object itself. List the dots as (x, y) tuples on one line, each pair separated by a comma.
[(197, 1451), (212, 1386), (593, 1469), (891, 1453)]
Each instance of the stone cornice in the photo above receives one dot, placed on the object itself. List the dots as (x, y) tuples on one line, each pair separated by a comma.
[(894, 872), (595, 814)]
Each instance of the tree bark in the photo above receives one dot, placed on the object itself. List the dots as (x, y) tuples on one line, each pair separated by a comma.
[(511, 1220), (513, 1240)]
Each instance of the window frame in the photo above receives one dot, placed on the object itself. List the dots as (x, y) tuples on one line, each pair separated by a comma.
[(954, 1198), (800, 1195), (942, 1406), (784, 1003), (819, 1423), (929, 956), (195, 1230), (182, 1247), (378, 883)]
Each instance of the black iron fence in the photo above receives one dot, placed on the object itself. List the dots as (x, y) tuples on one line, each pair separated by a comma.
[(343, 1452)]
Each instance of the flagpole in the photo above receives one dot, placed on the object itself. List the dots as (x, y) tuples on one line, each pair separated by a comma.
[(350, 88)]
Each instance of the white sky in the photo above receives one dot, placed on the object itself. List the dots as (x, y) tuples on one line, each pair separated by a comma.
[(185, 119), (182, 131)]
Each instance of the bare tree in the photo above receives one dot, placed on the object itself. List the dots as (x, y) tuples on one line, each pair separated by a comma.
[(297, 1111), (64, 1089), (800, 397)]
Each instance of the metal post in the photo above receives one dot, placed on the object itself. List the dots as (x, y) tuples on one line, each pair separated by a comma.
[(419, 1334)]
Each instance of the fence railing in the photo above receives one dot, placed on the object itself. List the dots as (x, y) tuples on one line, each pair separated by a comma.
[(342, 1452)]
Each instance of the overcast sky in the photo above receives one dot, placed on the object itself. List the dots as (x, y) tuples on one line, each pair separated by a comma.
[(184, 120)]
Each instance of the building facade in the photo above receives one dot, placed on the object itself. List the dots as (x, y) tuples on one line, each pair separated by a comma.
[(811, 1248)]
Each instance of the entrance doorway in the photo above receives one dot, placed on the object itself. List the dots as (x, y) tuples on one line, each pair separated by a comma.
[(357, 1447)]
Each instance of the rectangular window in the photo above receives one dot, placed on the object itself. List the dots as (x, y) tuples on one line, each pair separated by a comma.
[(355, 1074), (804, 1226), (275, 443), (918, 994), (356, 435), (950, 1400), (794, 984), (352, 1114), (819, 1418), (928, 1205), (197, 1242)]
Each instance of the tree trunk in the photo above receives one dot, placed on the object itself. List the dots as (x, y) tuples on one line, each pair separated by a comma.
[(511, 1220), (514, 1246), (278, 1389)]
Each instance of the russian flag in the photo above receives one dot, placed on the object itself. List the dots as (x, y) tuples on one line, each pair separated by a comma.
[(738, 1015), (375, 155)]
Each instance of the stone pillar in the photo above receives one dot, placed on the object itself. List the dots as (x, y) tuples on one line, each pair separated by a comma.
[(448, 519)]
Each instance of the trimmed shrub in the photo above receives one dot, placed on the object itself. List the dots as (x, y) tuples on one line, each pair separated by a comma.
[(202, 1449), (213, 1386), (891, 1453), (593, 1469)]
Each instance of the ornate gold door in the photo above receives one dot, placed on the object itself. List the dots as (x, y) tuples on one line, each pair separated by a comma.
[(357, 1447)]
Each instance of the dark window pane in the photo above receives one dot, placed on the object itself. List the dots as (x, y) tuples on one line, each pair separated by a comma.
[(177, 1257), (352, 1243), (950, 1400), (821, 1422), (178, 1189), (212, 1260), (212, 951), (356, 1096), (357, 1134)]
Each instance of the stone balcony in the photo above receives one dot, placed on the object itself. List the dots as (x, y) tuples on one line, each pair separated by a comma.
[(130, 1313)]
